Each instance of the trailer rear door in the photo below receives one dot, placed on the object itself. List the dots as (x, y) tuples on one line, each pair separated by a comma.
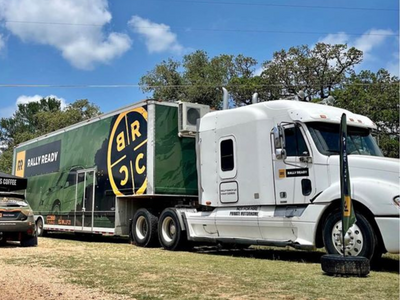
[(84, 200)]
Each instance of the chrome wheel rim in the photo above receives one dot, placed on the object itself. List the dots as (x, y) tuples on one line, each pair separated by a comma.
[(141, 227), (353, 240), (39, 227), (168, 229)]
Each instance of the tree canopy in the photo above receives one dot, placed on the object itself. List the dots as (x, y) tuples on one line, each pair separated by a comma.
[(316, 71), (375, 95), (198, 78), (319, 71), (38, 118)]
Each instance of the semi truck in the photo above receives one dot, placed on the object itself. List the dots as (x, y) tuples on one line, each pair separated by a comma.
[(176, 174)]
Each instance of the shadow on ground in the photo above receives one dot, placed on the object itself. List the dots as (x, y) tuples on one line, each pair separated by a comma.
[(386, 264), (86, 237)]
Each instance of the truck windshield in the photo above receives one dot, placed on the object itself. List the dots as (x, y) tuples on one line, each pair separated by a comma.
[(359, 140)]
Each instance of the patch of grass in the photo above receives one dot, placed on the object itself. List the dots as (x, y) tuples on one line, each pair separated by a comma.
[(153, 273)]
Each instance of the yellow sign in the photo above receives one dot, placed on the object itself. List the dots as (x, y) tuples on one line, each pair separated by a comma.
[(282, 173), (20, 164), (347, 206)]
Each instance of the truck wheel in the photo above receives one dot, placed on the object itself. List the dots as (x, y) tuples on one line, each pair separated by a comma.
[(360, 239), (170, 233), (29, 241), (39, 227), (144, 228)]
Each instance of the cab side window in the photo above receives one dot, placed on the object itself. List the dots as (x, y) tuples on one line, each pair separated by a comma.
[(227, 158), (294, 142)]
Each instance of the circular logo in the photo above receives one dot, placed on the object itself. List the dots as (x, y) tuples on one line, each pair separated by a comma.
[(127, 153)]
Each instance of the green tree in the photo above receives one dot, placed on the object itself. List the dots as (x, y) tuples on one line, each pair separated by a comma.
[(38, 118), (243, 83), (199, 78), (375, 95), (317, 71), (164, 81)]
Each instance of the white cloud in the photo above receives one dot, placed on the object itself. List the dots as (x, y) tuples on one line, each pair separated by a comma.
[(6, 112), (335, 38), (83, 46), (369, 41), (27, 99), (158, 37)]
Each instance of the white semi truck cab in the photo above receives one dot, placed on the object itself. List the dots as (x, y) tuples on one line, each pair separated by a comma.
[(268, 174)]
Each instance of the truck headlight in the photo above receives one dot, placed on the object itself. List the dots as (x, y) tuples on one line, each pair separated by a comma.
[(396, 200)]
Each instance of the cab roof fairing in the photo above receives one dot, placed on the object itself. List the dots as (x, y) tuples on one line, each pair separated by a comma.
[(331, 117), (233, 117), (314, 112), (284, 110)]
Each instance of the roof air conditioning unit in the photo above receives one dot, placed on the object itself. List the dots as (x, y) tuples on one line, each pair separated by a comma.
[(188, 114)]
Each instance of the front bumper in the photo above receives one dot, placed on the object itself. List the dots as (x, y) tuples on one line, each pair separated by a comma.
[(389, 228)]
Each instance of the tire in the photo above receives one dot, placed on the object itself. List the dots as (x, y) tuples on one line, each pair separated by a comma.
[(29, 241), (334, 264), (39, 227), (170, 233), (144, 228), (361, 239)]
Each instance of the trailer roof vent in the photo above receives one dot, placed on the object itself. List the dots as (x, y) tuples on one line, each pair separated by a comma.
[(189, 113)]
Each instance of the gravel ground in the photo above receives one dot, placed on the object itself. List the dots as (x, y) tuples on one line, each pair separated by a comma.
[(30, 282)]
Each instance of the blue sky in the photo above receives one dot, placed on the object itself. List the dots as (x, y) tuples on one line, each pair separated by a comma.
[(84, 43)]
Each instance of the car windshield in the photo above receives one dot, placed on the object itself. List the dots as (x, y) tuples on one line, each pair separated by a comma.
[(359, 140), (12, 201)]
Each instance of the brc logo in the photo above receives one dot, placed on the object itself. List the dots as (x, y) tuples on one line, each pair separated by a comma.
[(126, 155)]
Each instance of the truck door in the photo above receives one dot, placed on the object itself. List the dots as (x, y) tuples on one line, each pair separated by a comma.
[(84, 200), (294, 176), (235, 217)]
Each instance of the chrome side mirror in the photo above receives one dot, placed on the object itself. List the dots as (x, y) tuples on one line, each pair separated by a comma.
[(279, 142)]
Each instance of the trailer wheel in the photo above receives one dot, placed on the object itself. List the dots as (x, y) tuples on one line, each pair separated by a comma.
[(39, 227), (360, 239), (170, 233), (144, 228)]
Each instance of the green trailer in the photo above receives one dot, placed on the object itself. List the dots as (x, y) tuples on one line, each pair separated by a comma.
[(97, 175)]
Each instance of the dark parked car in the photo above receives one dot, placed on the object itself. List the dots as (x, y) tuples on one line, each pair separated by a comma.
[(17, 222)]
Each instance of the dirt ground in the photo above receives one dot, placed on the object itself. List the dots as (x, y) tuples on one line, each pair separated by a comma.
[(38, 283)]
